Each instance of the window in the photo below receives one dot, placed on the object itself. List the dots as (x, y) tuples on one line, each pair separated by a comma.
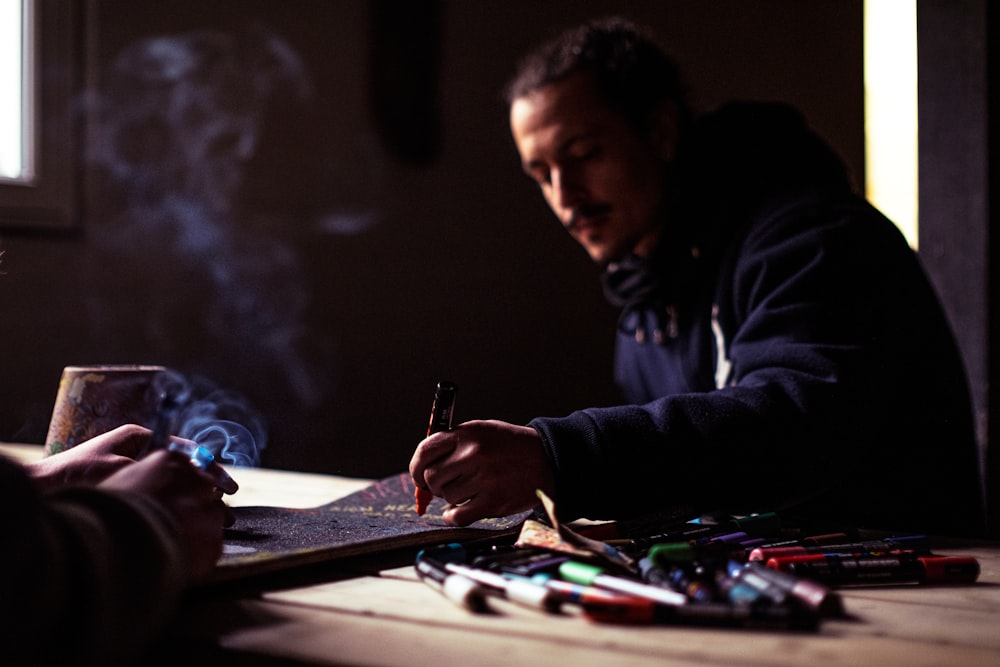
[(891, 111), (38, 147), (16, 97)]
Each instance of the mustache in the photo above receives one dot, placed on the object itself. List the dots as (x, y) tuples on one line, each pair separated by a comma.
[(586, 211)]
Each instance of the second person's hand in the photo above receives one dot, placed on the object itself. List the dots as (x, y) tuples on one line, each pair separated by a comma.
[(483, 469)]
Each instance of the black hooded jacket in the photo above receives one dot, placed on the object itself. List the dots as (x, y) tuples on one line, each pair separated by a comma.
[(782, 349)]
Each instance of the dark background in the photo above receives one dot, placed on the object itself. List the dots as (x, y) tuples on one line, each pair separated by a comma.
[(318, 205)]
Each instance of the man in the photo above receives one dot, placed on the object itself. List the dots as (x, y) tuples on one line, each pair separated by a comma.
[(98, 548), (779, 345)]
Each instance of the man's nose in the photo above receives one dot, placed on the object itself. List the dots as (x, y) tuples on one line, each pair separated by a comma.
[(567, 192)]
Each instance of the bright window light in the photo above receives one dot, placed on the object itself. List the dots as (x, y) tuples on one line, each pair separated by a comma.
[(16, 103), (890, 45)]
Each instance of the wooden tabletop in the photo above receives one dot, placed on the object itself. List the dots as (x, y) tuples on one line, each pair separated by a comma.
[(374, 611), (388, 617)]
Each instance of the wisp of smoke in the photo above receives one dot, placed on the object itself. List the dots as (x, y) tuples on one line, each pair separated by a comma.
[(178, 117), (222, 422)]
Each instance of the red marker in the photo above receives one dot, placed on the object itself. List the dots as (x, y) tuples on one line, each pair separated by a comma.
[(441, 414), (839, 570), (602, 605), (890, 545)]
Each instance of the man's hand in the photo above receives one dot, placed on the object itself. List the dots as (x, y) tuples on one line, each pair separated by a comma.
[(186, 493), (94, 460), (483, 469)]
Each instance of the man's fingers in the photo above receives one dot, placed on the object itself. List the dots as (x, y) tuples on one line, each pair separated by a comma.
[(428, 452), (461, 515), (222, 479)]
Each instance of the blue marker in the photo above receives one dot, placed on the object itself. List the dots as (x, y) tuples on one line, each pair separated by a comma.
[(809, 594), (676, 578)]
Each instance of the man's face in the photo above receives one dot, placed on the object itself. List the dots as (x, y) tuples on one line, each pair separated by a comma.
[(602, 178)]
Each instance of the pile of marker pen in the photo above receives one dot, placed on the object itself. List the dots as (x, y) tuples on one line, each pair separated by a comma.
[(740, 572)]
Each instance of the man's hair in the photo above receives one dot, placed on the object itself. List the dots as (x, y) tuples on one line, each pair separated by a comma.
[(633, 74)]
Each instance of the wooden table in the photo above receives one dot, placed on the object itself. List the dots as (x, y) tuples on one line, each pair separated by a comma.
[(374, 611)]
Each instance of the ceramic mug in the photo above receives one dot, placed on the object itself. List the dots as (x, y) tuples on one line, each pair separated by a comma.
[(95, 399)]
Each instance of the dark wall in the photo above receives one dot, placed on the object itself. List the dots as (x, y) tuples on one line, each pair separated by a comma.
[(317, 204), (958, 183)]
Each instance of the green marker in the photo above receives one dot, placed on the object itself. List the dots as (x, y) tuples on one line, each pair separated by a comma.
[(590, 575)]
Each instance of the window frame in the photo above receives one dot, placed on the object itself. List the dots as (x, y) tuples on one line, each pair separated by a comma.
[(50, 201)]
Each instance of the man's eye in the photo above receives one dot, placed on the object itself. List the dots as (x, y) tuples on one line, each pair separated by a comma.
[(583, 152), (540, 176)]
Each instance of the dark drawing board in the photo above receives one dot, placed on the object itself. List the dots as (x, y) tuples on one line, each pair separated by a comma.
[(378, 517)]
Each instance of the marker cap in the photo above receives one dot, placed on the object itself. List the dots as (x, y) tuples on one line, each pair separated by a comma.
[(766, 553), (672, 552), (463, 591), (950, 569), (460, 590), (579, 573), (530, 594), (623, 611)]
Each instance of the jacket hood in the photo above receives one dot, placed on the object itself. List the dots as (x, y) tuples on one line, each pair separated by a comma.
[(735, 161)]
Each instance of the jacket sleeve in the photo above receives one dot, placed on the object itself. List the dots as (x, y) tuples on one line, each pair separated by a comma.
[(88, 576), (842, 365)]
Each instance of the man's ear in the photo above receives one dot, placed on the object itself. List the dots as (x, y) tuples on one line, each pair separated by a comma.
[(663, 130)]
